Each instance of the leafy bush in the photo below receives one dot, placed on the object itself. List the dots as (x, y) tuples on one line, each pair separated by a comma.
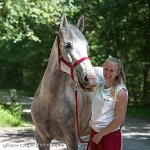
[(10, 117)]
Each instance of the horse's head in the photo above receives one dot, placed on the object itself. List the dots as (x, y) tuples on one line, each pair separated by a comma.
[(73, 54)]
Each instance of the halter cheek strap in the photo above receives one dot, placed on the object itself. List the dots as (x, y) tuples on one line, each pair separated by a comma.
[(70, 65)]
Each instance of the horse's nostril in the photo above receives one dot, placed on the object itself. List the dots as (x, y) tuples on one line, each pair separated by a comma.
[(86, 78)]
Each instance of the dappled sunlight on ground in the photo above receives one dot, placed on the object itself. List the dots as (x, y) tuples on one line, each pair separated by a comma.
[(136, 134)]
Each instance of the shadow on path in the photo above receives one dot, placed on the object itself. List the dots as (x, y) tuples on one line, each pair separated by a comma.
[(136, 135)]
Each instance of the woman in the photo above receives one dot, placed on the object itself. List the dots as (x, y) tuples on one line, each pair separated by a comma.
[(109, 107)]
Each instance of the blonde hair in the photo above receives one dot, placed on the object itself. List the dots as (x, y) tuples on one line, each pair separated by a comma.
[(120, 78)]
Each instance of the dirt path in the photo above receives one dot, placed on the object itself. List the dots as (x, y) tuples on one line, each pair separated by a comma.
[(136, 135)]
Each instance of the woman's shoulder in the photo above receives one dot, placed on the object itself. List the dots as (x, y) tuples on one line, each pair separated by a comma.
[(120, 87)]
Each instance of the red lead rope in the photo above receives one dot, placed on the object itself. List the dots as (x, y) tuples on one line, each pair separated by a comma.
[(77, 119)]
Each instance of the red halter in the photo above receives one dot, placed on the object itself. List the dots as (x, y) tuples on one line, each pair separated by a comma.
[(72, 66)]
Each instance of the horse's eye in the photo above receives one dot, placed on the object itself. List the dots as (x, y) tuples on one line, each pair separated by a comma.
[(68, 45)]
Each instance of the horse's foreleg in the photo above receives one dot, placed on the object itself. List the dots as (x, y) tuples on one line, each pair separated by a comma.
[(71, 142), (42, 144)]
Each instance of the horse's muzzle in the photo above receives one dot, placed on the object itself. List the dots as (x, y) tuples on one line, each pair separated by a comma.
[(88, 84)]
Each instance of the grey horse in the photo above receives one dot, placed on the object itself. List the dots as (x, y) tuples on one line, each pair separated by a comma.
[(53, 106)]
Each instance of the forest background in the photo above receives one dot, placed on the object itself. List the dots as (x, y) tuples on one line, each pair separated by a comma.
[(118, 28)]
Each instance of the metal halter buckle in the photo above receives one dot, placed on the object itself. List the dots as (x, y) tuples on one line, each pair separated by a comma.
[(75, 85)]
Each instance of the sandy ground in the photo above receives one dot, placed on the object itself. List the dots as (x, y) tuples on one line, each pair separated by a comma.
[(136, 136)]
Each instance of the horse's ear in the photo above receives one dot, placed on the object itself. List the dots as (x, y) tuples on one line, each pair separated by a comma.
[(81, 23), (64, 22)]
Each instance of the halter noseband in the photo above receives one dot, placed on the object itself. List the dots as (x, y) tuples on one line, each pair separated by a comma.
[(70, 65)]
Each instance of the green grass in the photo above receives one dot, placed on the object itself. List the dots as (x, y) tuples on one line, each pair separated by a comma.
[(12, 117), (139, 112), (12, 114), (8, 119)]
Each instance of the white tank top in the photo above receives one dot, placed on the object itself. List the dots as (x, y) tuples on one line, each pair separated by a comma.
[(103, 105)]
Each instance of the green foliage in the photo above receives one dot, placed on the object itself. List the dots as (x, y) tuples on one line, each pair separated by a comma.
[(28, 29), (22, 19), (140, 112), (15, 109), (11, 115), (7, 118), (121, 29)]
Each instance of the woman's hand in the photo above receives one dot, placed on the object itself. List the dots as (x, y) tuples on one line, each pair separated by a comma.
[(97, 138)]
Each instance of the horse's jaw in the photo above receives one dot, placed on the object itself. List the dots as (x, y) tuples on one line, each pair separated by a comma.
[(86, 88)]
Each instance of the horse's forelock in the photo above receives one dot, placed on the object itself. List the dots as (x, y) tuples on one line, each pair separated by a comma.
[(73, 33)]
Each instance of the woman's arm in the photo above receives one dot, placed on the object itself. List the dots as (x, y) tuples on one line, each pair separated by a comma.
[(121, 108)]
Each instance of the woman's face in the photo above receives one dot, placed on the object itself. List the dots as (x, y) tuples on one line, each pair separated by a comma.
[(110, 71)]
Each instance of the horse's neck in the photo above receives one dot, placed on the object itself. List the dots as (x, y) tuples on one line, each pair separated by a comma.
[(53, 60), (53, 75), (52, 63)]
